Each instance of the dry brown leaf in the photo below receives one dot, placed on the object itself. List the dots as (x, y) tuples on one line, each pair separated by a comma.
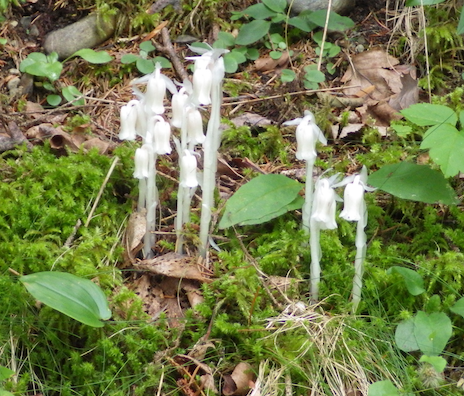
[(251, 119), (350, 128), (242, 378), (173, 265), (267, 63)]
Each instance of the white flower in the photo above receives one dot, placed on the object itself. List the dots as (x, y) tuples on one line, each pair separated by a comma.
[(307, 135), (324, 205), (354, 206), (155, 93), (161, 135), (128, 121), (188, 166), (141, 162), (179, 100), (202, 80), (194, 126)]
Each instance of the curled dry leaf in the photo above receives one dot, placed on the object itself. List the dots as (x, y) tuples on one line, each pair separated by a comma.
[(240, 381), (267, 63)]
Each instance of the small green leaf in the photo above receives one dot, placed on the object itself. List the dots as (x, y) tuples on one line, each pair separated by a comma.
[(437, 362), (314, 76), (460, 28), (252, 53), (3, 392), (165, 64), (5, 373), (411, 3), (92, 56), (446, 146), (71, 93), (275, 55), (288, 75), (147, 46), (336, 22), (230, 63), (258, 11), (458, 307), (401, 130), (260, 200), (145, 66), (129, 58), (302, 24), (415, 182), (252, 32), (54, 100), (426, 114), (413, 281), (227, 38), (3, 41), (78, 298), (432, 332), (382, 388), (404, 336)]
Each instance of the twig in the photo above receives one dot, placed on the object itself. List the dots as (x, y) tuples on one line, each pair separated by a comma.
[(169, 50), (102, 188), (71, 236)]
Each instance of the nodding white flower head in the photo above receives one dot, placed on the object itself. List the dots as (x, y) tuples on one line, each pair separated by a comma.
[(155, 93), (202, 82), (324, 205), (194, 126), (142, 162), (307, 135), (179, 100), (355, 207), (161, 135), (188, 170), (129, 120)]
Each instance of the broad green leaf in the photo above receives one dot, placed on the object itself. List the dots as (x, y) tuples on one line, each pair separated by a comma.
[(252, 32), (42, 69), (446, 146), (382, 388), (165, 63), (79, 298), (404, 336), (258, 11), (411, 3), (401, 130), (437, 362), (288, 75), (145, 66), (129, 58), (458, 307), (5, 373), (302, 24), (413, 281), (296, 204), (230, 63), (336, 22), (252, 53), (314, 76), (3, 392), (275, 54), (460, 28), (415, 182), (461, 119), (260, 200), (426, 114), (147, 46), (92, 56), (54, 100), (276, 5), (227, 38), (432, 332), (71, 93)]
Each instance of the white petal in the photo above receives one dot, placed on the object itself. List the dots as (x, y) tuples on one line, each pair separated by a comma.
[(354, 199), (306, 142), (324, 205), (128, 121), (178, 108), (162, 133), (194, 126), (141, 163), (202, 80), (188, 170), (154, 96)]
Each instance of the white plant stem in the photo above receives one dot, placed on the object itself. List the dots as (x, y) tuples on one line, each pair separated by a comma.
[(359, 263), (315, 268), (141, 204), (210, 148), (151, 203), (309, 192)]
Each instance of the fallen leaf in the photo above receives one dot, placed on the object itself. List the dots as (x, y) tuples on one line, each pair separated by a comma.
[(266, 63), (242, 378), (251, 119), (350, 128)]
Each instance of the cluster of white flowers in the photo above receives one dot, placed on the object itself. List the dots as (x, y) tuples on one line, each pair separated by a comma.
[(319, 211), (143, 117)]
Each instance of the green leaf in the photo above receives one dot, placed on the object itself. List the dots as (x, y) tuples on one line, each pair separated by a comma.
[(404, 336), (382, 388), (5, 373), (276, 5), (411, 3), (230, 63), (314, 75), (413, 281), (147, 46), (81, 299), (301, 23), (261, 199), (446, 146), (92, 56), (145, 66), (401, 130), (54, 100), (415, 182), (275, 55), (432, 332), (288, 75), (426, 114), (252, 32), (71, 93), (3, 41), (336, 22), (460, 28), (437, 362), (458, 307), (165, 63), (37, 64), (259, 11), (252, 53), (129, 58), (3, 392)]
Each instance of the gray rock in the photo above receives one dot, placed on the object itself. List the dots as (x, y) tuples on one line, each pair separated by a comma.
[(86, 33), (341, 7)]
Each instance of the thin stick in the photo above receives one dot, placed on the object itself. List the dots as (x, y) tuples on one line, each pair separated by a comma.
[(100, 193)]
